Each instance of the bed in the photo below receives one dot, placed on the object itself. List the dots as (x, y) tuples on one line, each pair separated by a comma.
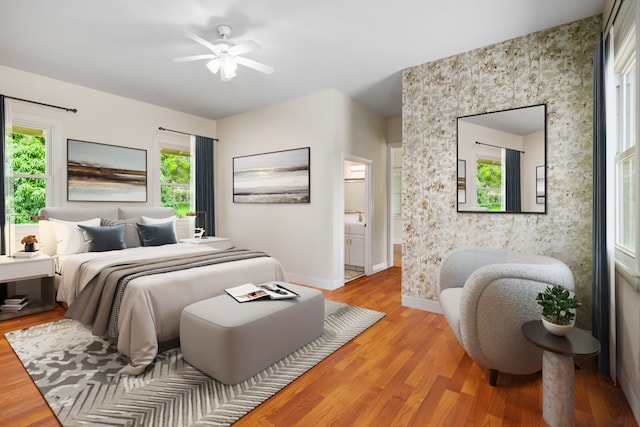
[(134, 294)]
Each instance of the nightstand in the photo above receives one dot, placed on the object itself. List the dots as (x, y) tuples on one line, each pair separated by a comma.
[(214, 242), (20, 269)]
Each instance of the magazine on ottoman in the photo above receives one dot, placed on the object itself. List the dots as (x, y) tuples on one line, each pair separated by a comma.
[(268, 290)]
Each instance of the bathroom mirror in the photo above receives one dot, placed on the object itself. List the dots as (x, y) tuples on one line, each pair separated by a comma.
[(502, 158)]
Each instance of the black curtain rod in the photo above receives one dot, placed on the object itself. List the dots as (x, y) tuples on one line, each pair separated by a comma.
[(72, 110), (495, 146), (184, 133)]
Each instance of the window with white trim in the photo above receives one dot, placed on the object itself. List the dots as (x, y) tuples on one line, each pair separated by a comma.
[(27, 173), (626, 159)]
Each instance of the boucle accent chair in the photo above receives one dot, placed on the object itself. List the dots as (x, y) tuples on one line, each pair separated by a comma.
[(487, 295)]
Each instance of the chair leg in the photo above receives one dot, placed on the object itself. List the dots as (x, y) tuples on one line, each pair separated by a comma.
[(493, 377)]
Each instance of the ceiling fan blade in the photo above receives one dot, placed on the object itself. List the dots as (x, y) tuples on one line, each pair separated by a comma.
[(196, 38), (245, 47), (254, 64), (194, 57)]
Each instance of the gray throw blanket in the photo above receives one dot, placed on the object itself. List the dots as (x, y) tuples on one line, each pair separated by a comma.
[(98, 303)]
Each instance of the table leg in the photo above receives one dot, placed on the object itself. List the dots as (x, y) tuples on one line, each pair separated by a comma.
[(558, 375)]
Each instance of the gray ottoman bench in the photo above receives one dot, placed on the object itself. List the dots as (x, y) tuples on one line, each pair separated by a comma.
[(233, 341)]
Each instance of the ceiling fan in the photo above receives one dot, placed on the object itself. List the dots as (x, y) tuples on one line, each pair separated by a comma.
[(225, 55)]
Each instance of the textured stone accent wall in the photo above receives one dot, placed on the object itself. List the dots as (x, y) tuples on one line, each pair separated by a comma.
[(552, 67)]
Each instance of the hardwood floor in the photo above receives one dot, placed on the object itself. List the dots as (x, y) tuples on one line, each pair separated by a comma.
[(406, 370)]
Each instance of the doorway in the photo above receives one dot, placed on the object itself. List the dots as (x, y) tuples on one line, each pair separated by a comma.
[(356, 214), (395, 205)]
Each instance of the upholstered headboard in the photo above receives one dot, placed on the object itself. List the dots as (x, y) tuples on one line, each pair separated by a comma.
[(47, 234), (82, 214)]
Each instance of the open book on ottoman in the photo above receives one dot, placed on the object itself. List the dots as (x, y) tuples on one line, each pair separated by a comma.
[(268, 290)]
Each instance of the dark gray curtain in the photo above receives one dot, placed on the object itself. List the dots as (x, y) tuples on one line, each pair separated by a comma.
[(3, 219), (600, 286), (512, 186), (204, 183)]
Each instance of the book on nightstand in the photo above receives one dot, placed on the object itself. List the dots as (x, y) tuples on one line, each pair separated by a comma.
[(23, 254), (16, 299), (14, 303), (269, 290)]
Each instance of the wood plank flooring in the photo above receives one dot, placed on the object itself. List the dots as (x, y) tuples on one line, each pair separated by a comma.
[(406, 370)]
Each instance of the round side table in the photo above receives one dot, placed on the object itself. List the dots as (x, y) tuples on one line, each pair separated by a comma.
[(558, 371)]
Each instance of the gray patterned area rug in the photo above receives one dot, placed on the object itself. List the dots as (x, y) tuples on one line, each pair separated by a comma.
[(76, 373)]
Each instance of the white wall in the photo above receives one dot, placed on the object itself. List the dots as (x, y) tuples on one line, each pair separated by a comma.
[(394, 152), (533, 146), (306, 238), (362, 133), (627, 298), (101, 117), (354, 192), (394, 130)]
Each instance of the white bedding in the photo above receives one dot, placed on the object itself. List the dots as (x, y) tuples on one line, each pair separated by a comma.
[(152, 305), (78, 269)]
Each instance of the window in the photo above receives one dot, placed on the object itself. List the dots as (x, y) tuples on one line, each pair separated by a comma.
[(26, 170), (626, 160), (175, 180), (489, 186)]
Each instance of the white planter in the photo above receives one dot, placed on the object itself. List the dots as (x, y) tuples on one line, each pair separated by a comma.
[(555, 329)]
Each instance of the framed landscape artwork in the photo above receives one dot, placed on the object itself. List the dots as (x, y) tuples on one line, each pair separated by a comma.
[(101, 172), (277, 177)]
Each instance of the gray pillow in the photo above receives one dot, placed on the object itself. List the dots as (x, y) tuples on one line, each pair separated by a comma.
[(101, 239), (157, 234), (131, 236)]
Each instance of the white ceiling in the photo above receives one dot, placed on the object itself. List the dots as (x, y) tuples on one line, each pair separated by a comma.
[(358, 47), (519, 121)]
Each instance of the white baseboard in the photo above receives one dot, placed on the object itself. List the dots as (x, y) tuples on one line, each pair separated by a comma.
[(329, 285), (379, 267), (421, 304), (632, 398)]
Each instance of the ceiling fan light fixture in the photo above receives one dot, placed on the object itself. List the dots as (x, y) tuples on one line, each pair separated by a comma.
[(214, 65), (229, 67), (225, 56)]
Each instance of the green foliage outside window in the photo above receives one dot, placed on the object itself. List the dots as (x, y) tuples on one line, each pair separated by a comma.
[(175, 178), (26, 155), (489, 184)]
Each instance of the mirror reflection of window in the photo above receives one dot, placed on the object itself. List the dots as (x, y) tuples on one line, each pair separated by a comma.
[(489, 185)]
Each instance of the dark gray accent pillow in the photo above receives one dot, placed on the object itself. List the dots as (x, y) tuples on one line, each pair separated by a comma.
[(101, 239), (157, 234), (131, 235)]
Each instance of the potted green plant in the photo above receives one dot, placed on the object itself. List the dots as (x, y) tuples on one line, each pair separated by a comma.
[(558, 309)]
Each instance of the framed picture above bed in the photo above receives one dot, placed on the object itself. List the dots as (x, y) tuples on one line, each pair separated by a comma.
[(276, 177), (100, 172)]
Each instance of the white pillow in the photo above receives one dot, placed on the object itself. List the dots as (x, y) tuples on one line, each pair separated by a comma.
[(147, 220), (70, 238), (47, 237)]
